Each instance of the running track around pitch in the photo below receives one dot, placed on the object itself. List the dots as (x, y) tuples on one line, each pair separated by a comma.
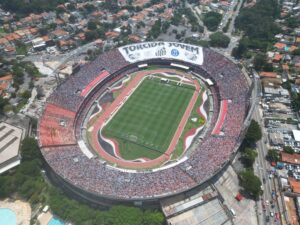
[(116, 103)]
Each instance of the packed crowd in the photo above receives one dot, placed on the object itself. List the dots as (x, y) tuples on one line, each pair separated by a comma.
[(214, 151), (68, 93), (112, 61)]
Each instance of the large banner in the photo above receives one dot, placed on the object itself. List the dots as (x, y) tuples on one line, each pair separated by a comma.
[(171, 50)]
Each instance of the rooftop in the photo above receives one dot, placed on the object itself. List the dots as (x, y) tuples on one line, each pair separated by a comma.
[(290, 158), (296, 134), (10, 138)]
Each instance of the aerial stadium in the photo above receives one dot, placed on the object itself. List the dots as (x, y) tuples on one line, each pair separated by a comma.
[(143, 122)]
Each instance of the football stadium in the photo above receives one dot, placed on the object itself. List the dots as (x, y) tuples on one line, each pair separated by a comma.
[(144, 121)]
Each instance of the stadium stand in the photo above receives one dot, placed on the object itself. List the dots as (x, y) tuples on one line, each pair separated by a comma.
[(221, 118), (56, 126), (67, 108), (93, 83)]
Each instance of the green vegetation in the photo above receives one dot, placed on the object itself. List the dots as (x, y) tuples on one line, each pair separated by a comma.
[(292, 22), (22, 50), (248, 157), (296, 52), (261, 64), (288, 149), (26, 179), (77, 213), (212, 20), (250, 183), (219, 39), (258, 26), (295, 100), (155, 30), (254, 133), (196, 41), (27, 182), (226, 27), (31, 70), (3, 103), (193, 20), (2, 31), (295, 97), (32, 6), (146, 123), (273, 155)]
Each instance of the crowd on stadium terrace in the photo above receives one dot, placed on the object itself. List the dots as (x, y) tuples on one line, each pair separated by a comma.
[(67, 93), (232, 124), (211, 154), (112, 61), (94, 176)]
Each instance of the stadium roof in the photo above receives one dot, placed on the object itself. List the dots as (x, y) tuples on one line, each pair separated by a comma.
[(212, 212), (10, 137)]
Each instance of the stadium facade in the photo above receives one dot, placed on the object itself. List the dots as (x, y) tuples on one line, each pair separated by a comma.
[(76, 166)]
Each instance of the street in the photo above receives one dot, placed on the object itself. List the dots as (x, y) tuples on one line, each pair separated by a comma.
[(262, 169)]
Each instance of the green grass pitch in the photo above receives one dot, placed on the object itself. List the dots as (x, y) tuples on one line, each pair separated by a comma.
[(145, 124)]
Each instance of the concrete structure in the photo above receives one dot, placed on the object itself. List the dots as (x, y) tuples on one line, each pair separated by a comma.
[(276, 138), (10, 138), (296, 134), (203, 208)]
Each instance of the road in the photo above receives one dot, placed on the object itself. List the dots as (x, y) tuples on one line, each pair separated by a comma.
[(262, 169), (229, 14), (198, 12)]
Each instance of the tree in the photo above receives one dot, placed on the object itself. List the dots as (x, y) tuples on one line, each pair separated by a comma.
[(176, 19), (72, 19), (3, 102), (212, 20), (92, 25), (89, 8), (226, 27), (219, 39), (27, 182), (254, 133), (292, 22), (156, 29), (125, 215), (296, 52), (26, 94), (273, 155), (25, 7), (71, 7), (112, 6), (258, 24), (239, 51), (248, 157), (260, 61), (30, 149), (153, 218), (250, 183), (288, 149), (91, 35), (165, 26), (43, 31)]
